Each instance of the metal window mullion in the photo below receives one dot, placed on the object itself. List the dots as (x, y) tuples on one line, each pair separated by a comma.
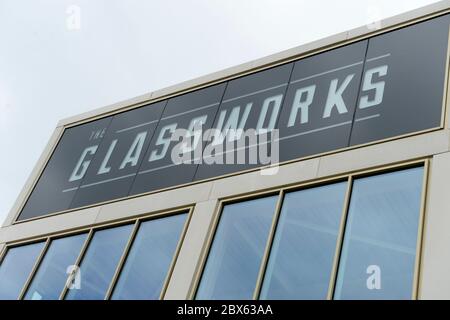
[(265, 258), (77, 262), (122, 259), (420, 232), (207, 245), (34, 269), (3, 253), (446, 93), (176, 254), (340, 239)]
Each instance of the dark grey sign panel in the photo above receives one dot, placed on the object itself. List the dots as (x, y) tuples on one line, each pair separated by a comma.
[(119, 156), (251, 102), (389, 85), (402, 89), (193, 112), (319, 106), (63, 174)]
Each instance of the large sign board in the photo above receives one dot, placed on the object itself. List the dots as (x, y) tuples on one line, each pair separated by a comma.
[(383, 87)]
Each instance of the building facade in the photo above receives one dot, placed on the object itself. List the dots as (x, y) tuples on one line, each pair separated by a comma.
[(338, 191)]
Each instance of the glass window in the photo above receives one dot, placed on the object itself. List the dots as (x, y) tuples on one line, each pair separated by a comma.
[(235, 256), (148, 261), (16, 268), (51, 276), (379, 248), (302, 253), (100, 263)]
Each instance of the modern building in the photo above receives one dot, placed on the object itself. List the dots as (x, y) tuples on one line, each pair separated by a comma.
[(349, 200)]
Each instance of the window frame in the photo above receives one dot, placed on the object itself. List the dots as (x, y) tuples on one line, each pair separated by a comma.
[(36, 264), (134, 221), (282, 190)]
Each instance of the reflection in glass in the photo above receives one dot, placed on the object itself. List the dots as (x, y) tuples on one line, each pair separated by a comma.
[(51, 276), (302, 253), (100, 263), (379, 249), (235, 256), (148, 261), (16, 268)]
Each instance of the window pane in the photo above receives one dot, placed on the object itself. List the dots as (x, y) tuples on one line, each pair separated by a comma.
[(51, 276), (379, 249), (100, 263), (305, 243), (148, 262), (15, 269), (235, 256)]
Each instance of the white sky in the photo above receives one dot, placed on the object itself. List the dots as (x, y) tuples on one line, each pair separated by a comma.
[(122, 49)]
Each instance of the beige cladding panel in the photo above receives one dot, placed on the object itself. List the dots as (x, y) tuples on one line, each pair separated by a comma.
[(265, 179), (53, 224), (384, 153), (187, 265), (377, 155), (161, 201), (435, 278)]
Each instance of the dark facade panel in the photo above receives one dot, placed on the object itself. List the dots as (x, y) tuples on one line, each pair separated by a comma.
[(383, 87), (112, 172), (64, 172), (192, 111), (319, 106), (404, 82), (250, 102)]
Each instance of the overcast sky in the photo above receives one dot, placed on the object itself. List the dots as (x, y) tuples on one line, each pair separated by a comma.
[(59, 58)]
